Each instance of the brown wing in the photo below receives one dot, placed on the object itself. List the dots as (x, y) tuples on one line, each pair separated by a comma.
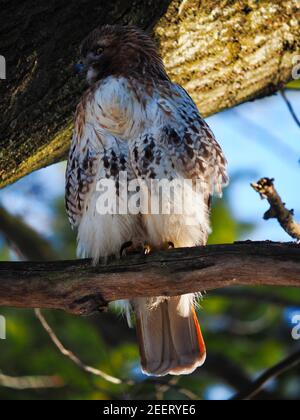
[(195, 151), (80, 175), (184, 146)]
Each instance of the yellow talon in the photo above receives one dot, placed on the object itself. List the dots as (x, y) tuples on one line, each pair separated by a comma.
[(125, 247), (147, 249)]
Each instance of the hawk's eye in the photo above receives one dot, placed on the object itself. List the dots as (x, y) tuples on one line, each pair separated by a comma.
[(99, 50)]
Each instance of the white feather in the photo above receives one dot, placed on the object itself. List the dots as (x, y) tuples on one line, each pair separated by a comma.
[(116, 117)]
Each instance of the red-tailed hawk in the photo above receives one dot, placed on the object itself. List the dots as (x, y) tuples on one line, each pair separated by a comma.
[(134, 120)]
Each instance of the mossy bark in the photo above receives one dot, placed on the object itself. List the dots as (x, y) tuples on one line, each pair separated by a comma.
[(223, 52)]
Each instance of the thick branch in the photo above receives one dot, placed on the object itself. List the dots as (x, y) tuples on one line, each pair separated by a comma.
[(224, 368), (251, 295), (79, 288), (38, 97), (265, 187), (273, 373), (28, 242), (223, 52)]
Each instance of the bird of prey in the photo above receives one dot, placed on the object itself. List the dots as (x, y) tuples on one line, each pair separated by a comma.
[(133, 119)]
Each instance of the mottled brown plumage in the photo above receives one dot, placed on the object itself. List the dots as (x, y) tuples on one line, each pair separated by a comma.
[(133, 119)]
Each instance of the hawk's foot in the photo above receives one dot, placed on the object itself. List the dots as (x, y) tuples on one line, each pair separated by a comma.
[(169, 245), (147, 249)]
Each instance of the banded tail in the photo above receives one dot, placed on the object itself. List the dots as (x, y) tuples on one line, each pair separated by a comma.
[(169, 336)]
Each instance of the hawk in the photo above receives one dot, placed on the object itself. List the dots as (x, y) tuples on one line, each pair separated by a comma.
[(133, 119)]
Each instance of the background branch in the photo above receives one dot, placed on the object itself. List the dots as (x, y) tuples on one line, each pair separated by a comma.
[(290, 107), (232, 374), (70, 355), (32, 246), (79, 288), (256, 296), (277, 370), (265, 187), (30, 382)]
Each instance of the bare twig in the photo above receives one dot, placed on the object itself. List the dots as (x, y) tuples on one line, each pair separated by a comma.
[(265, 187), (31, 245), (70, 355), (222, 367), (290, 107), (277, 370), (30, 382)]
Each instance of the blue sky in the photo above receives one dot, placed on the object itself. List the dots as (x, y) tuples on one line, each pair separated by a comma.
[(259, 138)]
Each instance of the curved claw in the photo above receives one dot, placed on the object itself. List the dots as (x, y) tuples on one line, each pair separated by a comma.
[(124, 247), (147, 249)]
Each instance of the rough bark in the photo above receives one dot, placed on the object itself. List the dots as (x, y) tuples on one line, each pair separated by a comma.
[(224, 52), (227, 52), (79, 288)]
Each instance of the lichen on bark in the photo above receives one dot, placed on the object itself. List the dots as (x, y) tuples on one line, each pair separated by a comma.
[(40, 42)]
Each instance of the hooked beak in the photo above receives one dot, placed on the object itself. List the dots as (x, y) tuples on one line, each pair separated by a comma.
[(79, 68)]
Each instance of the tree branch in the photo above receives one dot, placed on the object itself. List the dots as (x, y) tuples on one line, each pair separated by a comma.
[(30, 382), (223, 53), (252, 295), (232, 374), (70, 355), (30, 244), (265, 187), (79, 288), (290, 108), (277, 370)]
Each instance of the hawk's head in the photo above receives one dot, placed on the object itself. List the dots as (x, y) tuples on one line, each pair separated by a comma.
[(120, 50)]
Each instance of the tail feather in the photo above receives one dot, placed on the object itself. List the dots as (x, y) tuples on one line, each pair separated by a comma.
[(170, 339)]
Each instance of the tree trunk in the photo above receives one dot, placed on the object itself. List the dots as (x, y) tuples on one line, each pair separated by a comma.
[(223, 52)]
